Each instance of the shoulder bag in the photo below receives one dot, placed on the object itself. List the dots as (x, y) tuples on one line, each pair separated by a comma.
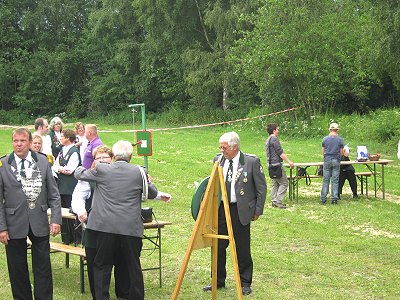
[(274, 170)]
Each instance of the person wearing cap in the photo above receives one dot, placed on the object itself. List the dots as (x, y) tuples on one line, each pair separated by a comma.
[(332, 150)]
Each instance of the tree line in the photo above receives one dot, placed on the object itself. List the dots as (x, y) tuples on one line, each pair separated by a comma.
[(86, 57)]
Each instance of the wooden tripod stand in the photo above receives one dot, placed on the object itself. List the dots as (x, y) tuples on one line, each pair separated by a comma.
[(205, 232)]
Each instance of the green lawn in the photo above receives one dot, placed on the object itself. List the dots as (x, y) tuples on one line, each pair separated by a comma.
[(308, 251)]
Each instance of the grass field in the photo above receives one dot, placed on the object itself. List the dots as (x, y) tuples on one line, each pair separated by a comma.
[(308, 251)]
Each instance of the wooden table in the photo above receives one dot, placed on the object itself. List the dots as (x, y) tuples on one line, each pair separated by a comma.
[(154, 239), (379, 176)]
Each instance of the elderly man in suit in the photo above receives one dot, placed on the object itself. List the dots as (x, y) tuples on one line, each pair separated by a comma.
[(27, 190), (116, 217), (246, 189)]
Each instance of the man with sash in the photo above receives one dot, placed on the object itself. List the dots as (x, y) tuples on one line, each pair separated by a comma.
[(27, 190)]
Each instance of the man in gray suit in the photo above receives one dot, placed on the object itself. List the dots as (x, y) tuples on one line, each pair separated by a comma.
[(116, 217), (27, 190), (246, 189)]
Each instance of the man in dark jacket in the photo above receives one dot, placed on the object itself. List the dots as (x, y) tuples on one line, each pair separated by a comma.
[(27, 190)]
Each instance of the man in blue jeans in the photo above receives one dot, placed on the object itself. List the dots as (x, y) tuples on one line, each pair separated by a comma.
[(332, 149)]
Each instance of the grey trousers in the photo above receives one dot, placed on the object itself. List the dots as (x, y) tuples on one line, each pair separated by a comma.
[(279, 188)]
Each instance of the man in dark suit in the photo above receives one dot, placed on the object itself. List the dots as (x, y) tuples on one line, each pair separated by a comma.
[(246, 189), (27, 190), (116, 217)]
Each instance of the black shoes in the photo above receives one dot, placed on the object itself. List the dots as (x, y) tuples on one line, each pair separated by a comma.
[(246, 290), (334, 201), (279, 205), (208, 287)]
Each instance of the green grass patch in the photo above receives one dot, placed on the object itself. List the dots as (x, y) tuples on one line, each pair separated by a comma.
[(308, 251)]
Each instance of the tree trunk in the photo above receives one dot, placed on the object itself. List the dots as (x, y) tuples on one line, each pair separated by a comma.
[(225, 96)]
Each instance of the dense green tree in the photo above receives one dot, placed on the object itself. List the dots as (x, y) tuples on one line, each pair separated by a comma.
[(111, 54), (96, 56), (305, 53), (187, 43), (39, 52), (381, 52)]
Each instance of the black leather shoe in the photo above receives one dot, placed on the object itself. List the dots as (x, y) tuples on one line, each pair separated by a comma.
[(246, 290), (208, 287), (334, 201)]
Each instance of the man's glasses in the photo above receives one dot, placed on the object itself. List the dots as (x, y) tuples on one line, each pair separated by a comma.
[(224, 148), (102, 158)]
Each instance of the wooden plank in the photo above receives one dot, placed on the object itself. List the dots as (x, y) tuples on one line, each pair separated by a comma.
[(317, 176), (364, 174), (67, 249)]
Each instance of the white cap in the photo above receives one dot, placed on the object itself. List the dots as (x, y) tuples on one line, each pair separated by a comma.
[(334, 126)]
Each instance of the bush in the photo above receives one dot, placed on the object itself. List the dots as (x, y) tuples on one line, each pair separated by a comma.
[(15, 117), (176, 115)]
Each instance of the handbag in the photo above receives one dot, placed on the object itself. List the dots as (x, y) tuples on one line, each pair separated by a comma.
[(320, 171), (147, 214), (274, 170), (302, 172)]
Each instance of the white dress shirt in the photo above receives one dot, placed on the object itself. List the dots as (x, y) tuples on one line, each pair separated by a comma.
[(235, 165), (73, 162), (79, 196)]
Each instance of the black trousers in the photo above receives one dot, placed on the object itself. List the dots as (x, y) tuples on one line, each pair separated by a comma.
[(351, 178), (128, 248), (121, 274), (17, 261), (242, 240), (68, 233)]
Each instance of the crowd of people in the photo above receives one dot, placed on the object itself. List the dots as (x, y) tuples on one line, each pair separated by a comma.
[(59, 168), (56, 167)]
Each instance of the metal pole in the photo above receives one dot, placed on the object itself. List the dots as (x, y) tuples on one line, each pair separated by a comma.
[(142, 108), (146, 159)]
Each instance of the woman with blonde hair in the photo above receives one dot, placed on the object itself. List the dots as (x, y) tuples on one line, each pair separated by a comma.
[(81, 141), (37, 143)]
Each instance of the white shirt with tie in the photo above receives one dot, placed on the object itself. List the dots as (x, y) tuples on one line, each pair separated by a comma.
[(235, 165), (28, 159)]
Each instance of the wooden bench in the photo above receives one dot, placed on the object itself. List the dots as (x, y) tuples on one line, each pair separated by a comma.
[(361, 176), (67, 249), (155, 240), (72, 250)]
